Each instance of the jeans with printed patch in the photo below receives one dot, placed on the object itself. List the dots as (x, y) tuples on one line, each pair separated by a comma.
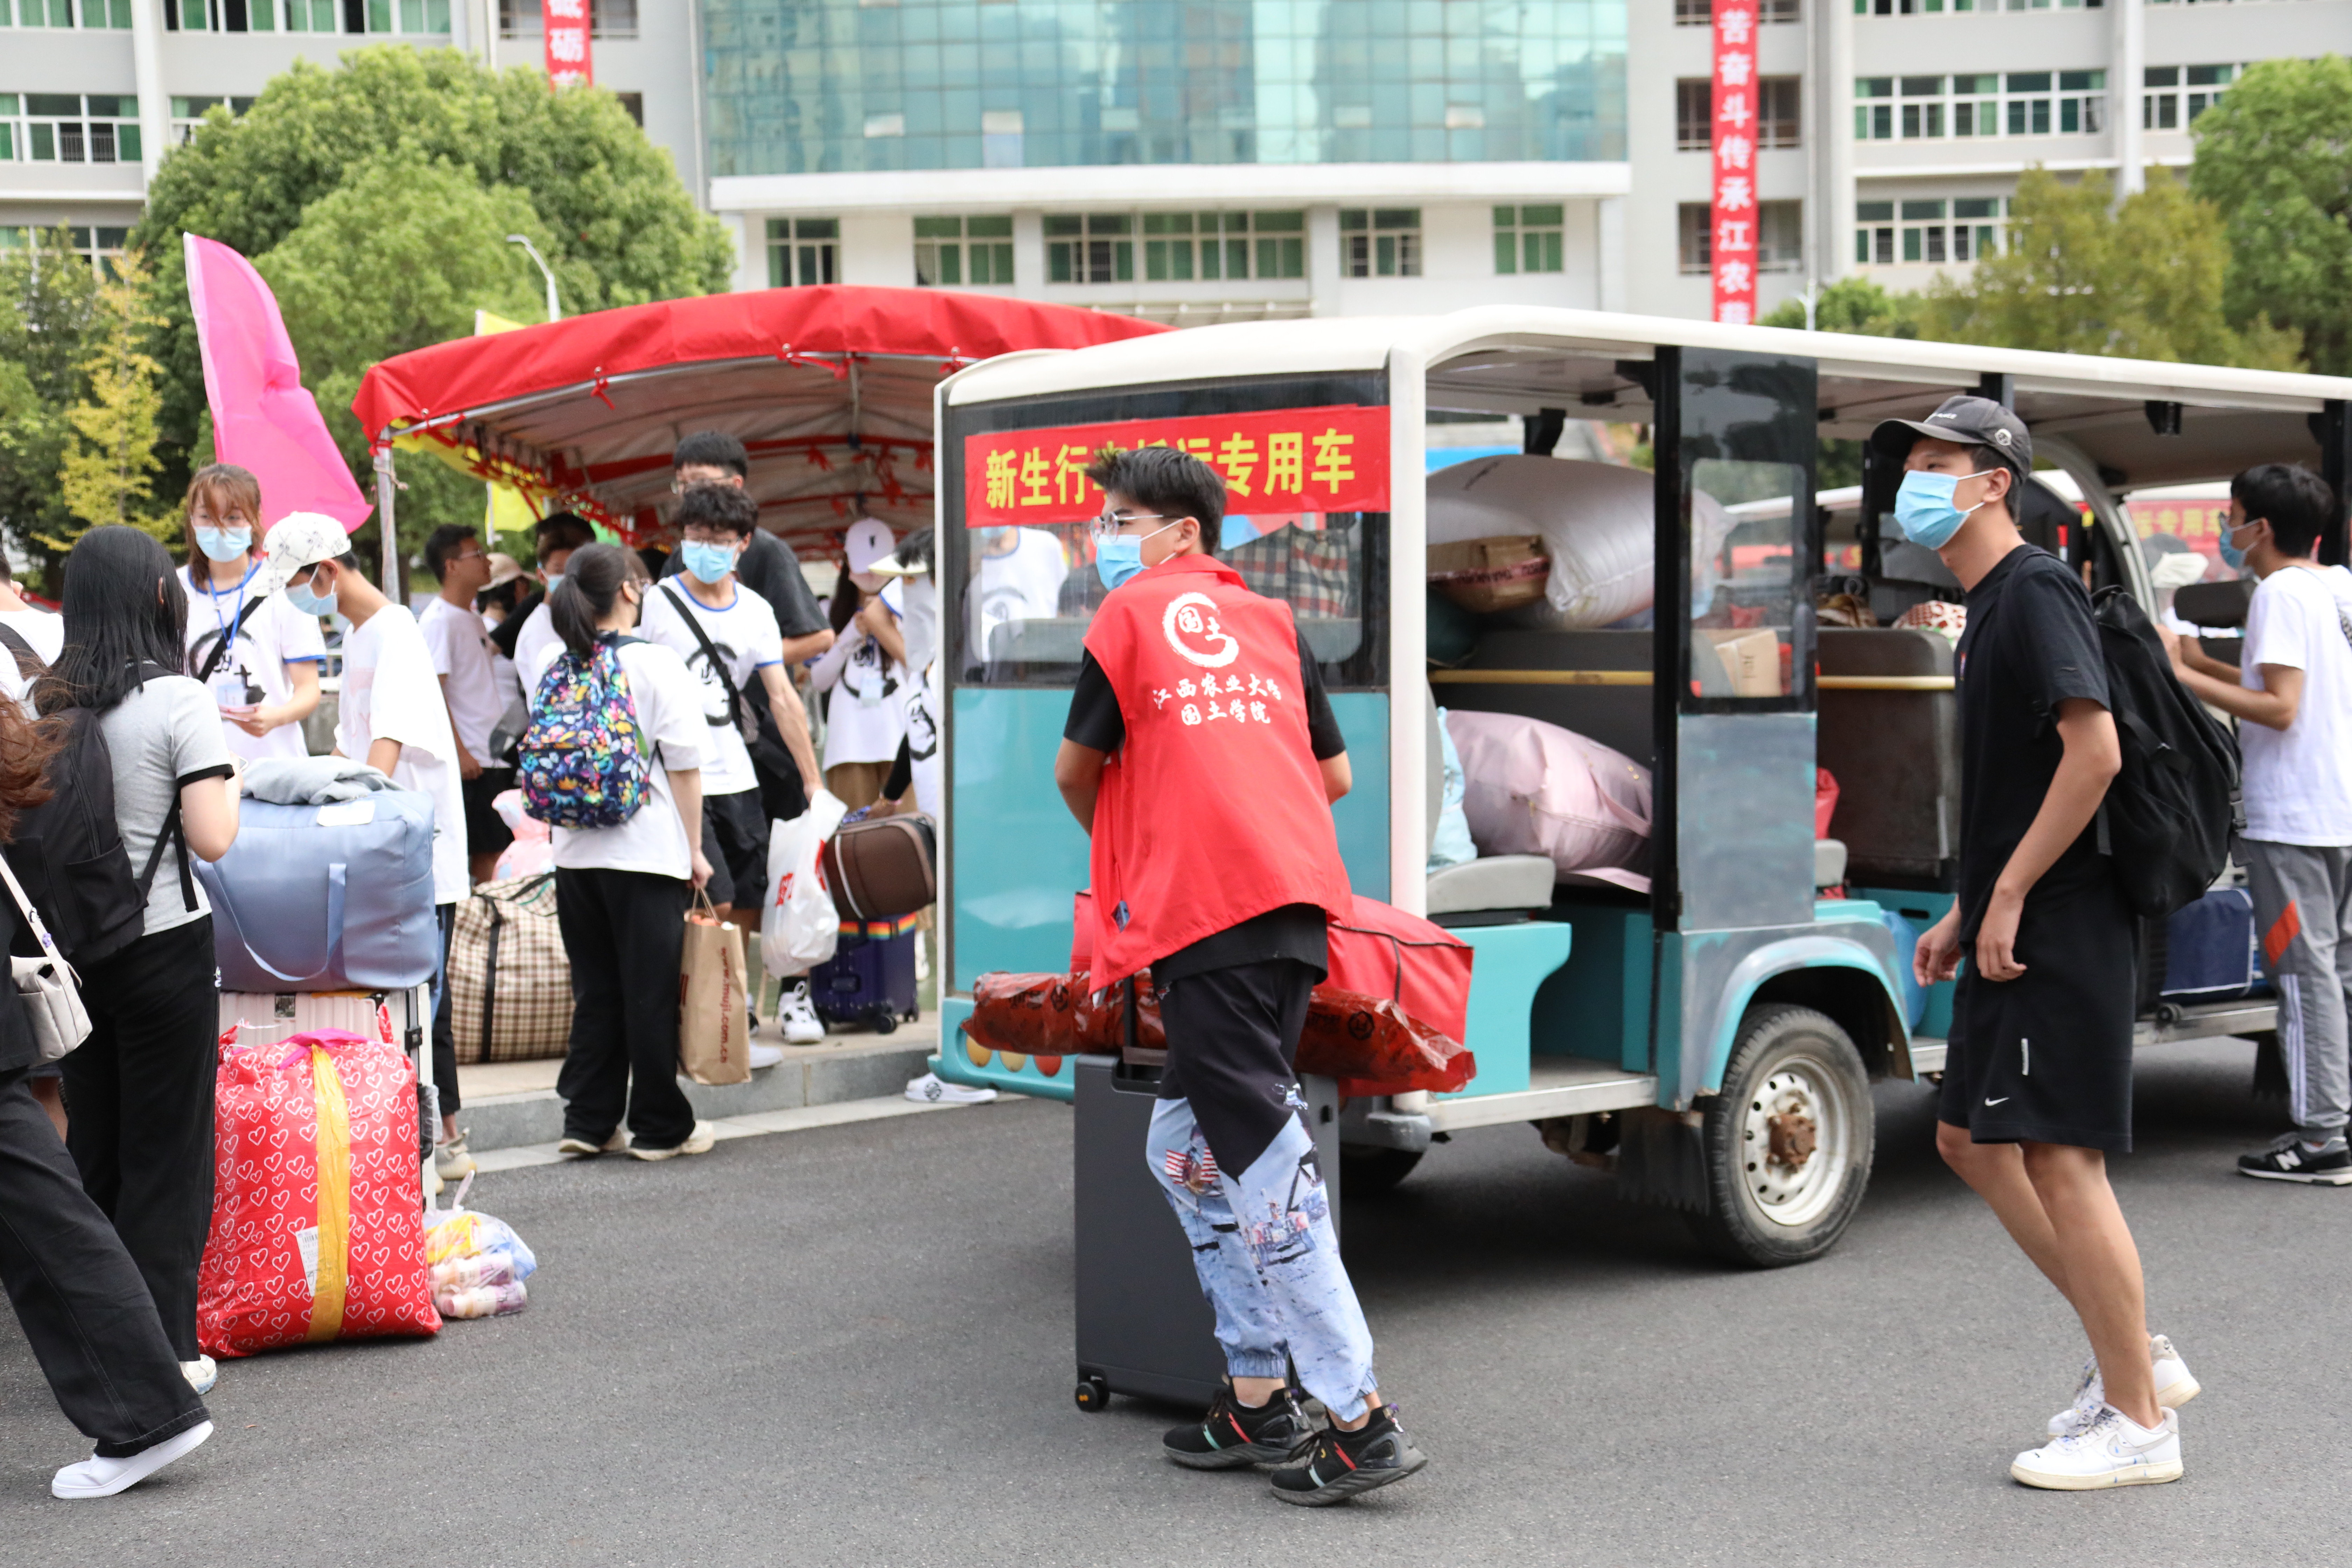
[(1268, 1257)]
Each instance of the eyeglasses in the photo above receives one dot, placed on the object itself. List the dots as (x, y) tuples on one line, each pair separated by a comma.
[(476, 556), (1110, 523)]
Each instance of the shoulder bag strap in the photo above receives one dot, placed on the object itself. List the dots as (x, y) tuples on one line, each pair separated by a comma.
[(29, 663), (734, 697), (33, 918), (227, 639)]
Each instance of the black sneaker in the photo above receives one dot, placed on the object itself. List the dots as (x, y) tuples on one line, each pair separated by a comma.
[(2291, 1160), (1346, 1464), (1233, 1435)]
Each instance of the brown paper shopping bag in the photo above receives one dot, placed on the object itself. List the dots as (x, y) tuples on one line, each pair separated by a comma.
[(714, 1028)]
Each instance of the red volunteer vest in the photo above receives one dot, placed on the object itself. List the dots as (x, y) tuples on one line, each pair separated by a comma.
[(1213, 811)]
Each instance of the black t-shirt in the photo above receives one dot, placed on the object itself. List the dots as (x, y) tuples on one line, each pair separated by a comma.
[(1294, 931), (2031, 644)]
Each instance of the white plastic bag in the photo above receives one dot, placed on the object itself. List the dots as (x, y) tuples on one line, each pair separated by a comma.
[(799, 927)]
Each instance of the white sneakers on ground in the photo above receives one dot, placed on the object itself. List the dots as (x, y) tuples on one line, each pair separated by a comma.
[(765, 1056), (95, 1477), (2112, 1450), (580, 1148), (697, 1142), (201, 1374), (933, 1089), (2175, 1387), (797, 1013)]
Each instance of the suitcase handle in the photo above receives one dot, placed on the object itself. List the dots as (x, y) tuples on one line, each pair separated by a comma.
[(337, 875)]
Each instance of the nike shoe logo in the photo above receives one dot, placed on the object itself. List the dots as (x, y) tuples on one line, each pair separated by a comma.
[(2002, 1101)]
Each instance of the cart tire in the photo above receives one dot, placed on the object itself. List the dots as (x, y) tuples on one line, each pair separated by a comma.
[(1366, 1172), (1789, 1141), (1093, 1395)]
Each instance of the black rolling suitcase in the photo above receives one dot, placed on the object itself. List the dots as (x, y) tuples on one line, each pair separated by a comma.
[(868, 981)]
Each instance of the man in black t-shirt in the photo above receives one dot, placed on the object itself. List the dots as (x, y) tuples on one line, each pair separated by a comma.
[(2037, 1082)]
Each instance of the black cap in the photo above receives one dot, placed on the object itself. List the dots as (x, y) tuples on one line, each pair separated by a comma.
[(1966, 420)]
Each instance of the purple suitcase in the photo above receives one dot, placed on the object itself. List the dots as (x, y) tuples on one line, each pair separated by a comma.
[(868, 981)]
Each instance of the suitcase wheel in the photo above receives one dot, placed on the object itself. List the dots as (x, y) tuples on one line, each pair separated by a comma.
[(1093, 1395), (885, 1022)]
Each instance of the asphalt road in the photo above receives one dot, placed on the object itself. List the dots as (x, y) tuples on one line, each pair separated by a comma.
[(853, 1346)]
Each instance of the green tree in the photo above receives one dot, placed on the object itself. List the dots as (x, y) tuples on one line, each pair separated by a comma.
[(1853, 305), (2082, 274), (48, 298), (2275, 155), (570, 168), (107, 475)]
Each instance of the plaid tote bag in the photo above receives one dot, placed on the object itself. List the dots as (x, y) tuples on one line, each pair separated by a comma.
[(509, 982)]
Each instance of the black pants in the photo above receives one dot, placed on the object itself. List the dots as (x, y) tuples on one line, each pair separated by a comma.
[(624, 932), (445, 1038), (78, 1295), (138, 1098), (1232, 1036)]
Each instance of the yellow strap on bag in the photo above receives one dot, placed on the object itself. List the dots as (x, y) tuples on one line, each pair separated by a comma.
[(335, 1197)]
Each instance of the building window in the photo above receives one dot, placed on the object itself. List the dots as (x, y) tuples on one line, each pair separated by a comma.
[(1694, 238), (1780, 237), (1978, 234), (635, 102), (1778, 111), (803, 251), (312, 17), (235, 15), (2021, 103), (1693, 114), (1936, 7), (414, 18), (1701, 13), (1179, 248), (1380, 242), (952, 251), (1873, 114), (188, 113), (69, 128), (1874, 234), (1530, 238), (1923, 107), (1917, 232), (1093, 248), (2165, 108), (612, 18), (1975, 109)]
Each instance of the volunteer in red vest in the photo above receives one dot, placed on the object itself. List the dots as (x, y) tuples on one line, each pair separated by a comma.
[(1201, 756)]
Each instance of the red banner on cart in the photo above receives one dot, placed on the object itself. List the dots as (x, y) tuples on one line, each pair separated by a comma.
[(1733, 208), (1285, 460), (569, 63)]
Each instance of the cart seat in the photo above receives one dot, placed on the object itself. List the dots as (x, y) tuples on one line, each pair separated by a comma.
[(1894, 751), (1492, 884), (1828, 863)]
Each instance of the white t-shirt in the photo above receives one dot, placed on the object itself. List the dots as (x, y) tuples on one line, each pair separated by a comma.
[(864, 719), (2298, 787), (536, 646), (1023, 584), (669, 712), (461, 650), (44, 632), (747, 639), (272, 637), (390, 693)]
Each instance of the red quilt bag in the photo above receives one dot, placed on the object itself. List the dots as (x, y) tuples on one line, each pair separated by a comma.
[(318, 1232)]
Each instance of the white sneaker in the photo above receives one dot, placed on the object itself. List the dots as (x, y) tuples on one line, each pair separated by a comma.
[(201, 1374), (2175, 1387), (798, 1015), (2114, 1450), (580, 1148), (453, 1160), (95, 1477), (933, 1089), (697, 1142), (765, 1056)]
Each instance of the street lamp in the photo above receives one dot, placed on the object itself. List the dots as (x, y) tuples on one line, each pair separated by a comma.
[(524, 240)]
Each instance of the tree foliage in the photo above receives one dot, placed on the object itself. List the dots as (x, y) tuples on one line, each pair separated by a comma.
[(1853, 305), (2275, 155), (2084, 275), (107, 474), (49, 301)]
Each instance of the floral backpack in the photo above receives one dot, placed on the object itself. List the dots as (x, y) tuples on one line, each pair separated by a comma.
[(583, 762)]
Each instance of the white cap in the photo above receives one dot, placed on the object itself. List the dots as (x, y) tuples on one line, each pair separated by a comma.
[(2178, 569), (298, 539), (868, 541)]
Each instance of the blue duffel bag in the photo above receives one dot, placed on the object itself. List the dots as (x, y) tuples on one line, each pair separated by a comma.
[(2212, 954), (327, 897)]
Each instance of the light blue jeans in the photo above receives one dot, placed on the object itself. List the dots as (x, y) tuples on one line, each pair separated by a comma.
[(1267, 1258)]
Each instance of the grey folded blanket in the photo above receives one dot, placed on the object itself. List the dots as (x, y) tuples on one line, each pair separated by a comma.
[(311, 780)]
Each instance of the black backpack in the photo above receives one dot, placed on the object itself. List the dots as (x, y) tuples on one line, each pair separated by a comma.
[(2170, 813), (68, 851)]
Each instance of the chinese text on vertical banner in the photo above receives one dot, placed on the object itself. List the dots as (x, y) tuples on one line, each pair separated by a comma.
[(1279, 462), (568, 61), (1734, 216)]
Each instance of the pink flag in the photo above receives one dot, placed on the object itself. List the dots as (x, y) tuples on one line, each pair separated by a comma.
[(263, 418)]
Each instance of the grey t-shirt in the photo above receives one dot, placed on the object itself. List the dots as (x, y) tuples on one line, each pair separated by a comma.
[(167, 733)]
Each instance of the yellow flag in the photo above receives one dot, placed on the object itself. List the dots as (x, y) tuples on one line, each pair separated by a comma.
[(510, 511)]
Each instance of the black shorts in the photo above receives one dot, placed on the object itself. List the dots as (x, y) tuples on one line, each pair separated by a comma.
[(485, 831), (2047, 1058), (735, 842), (1232, 1036)]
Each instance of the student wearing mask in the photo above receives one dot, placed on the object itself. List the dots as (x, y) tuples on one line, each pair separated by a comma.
[(622, 892), (392, 716), (2292, 698), (529, 635), (78, 1296), (140, 1089), (2037, 1088), (768, 566), (257, 655), (460, 648), (863, 672)]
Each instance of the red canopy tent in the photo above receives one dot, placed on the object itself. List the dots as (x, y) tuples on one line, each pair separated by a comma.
[(828, 388)]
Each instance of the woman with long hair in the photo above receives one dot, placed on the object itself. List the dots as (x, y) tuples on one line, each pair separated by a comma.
[(257, 655), (139, 1092), (78, 1296), (622, 892)]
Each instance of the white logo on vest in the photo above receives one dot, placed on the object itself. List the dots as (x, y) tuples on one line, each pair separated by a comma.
[(1194, 615)]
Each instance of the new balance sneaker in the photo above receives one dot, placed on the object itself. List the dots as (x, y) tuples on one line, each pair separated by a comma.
[(2327, 1164), (697, 1142), (96, 1476), (2175, 1387), (2114, 1450), (797, 1013), (1233, 1435), (1348, 1464), (201, 1374), (933, 1089), (586, 1150)]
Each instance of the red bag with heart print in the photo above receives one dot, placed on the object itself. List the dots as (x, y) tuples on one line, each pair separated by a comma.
[(318, 1232)]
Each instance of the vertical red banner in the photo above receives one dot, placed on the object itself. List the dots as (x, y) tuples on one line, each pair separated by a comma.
[(569, 63), (1733, 216)]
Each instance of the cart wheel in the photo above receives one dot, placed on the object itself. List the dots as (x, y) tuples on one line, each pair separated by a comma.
[(1093, 1395), (885, 1022), (1787, 1141), (1365, 1171)]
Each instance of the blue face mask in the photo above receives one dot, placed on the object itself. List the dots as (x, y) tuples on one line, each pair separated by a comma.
[(554, 581), (2232, 556), (225, 544), (707, 562), (1924, 509), (298, 595), (1120, 556)]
